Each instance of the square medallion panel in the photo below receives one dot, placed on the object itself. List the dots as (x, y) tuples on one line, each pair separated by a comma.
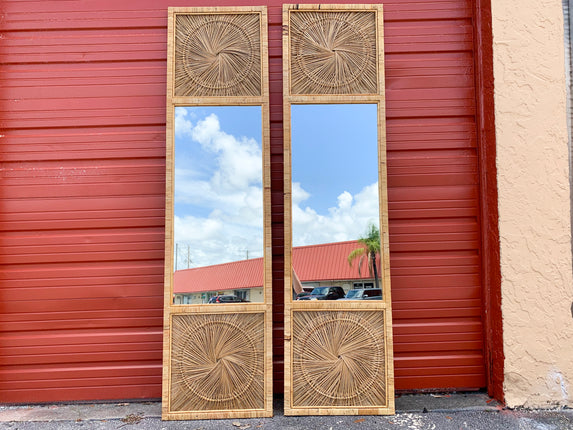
[(217, 362), (333, 51), (218, 54), (339, 359)]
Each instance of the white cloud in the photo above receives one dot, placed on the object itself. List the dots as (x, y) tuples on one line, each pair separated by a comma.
[(298, 194), (347, 220), (183, 125), (345, 200), (239, 160), (213, 240)]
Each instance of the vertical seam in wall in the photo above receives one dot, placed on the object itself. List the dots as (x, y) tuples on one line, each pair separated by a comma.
[(568, 37), (488, 215)]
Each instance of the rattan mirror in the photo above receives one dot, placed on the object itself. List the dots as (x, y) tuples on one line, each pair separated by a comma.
[(217, 330), (338, 353)]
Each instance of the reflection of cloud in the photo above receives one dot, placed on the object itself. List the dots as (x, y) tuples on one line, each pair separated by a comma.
[(183, 125), (213, 241), (298, 194), (347, 220), (345, 200), (239, 160), (219, 176)]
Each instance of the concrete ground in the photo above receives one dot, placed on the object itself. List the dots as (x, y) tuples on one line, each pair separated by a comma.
[(413, 412)]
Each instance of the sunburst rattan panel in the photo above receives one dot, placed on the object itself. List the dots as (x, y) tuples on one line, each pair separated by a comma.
[(333, 52), (338, 354), (217, 358), (339, 359), (218, 54), (217, 362)]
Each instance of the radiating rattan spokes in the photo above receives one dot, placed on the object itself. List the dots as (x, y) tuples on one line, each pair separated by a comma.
[(338, 358), (218, 55), (217, 362), (333, 52)]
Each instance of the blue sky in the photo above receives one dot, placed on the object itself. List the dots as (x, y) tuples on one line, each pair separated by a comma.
[(218, 183), (333, 150), (334, 172)]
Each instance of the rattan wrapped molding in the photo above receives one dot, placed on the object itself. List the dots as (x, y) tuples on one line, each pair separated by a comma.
[(217, 362), (217, 55), (338, 359), (333, 52)]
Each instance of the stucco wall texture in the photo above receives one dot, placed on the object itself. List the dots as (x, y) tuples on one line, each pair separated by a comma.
[(534, 199)]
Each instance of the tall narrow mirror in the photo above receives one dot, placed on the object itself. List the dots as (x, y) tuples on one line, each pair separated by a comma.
[(338, 325), (335, 202), (217, 355), (218, 205)]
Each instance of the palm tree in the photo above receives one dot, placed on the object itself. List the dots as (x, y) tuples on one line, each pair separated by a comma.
[(371, 247)]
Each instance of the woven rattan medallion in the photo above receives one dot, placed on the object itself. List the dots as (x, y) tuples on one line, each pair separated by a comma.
[(333, 52), (338, 359), (218, 55), (217, 362)]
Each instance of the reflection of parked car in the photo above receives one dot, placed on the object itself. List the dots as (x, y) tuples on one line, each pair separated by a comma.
[(364, 294), (325, 293), (227, 298), (302, 294)]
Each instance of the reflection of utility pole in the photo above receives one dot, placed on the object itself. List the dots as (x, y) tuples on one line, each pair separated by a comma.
[(176, 254), (247, 252), (187, 255)]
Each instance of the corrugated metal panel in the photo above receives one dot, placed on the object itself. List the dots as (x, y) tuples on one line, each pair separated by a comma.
[(82, 113), (433, 200), (83, 155)]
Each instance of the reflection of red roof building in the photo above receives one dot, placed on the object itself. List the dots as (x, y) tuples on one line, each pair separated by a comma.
[(327, 262), (227, 276), (324, 262)]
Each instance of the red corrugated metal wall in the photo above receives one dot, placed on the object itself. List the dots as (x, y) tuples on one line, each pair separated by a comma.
[(82, 119), (434, 195)]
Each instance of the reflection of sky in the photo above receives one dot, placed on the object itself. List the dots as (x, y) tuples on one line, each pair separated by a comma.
[(218, 178), (334, 172), (218, 184)]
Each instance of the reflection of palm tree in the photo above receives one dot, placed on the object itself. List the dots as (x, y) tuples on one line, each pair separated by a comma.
[(370, 249)]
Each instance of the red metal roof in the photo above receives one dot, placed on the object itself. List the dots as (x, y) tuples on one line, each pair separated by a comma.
[(227, 276), (328, 261), (324, 262)]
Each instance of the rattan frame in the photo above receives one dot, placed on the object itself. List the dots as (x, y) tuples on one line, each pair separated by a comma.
[(254, 94), (349, 310)]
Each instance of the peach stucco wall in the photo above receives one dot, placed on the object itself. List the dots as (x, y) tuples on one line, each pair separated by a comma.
[(534, 199)]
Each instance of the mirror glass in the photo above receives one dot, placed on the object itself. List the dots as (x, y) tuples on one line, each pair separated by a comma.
[(335, 202), (218, 205)]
